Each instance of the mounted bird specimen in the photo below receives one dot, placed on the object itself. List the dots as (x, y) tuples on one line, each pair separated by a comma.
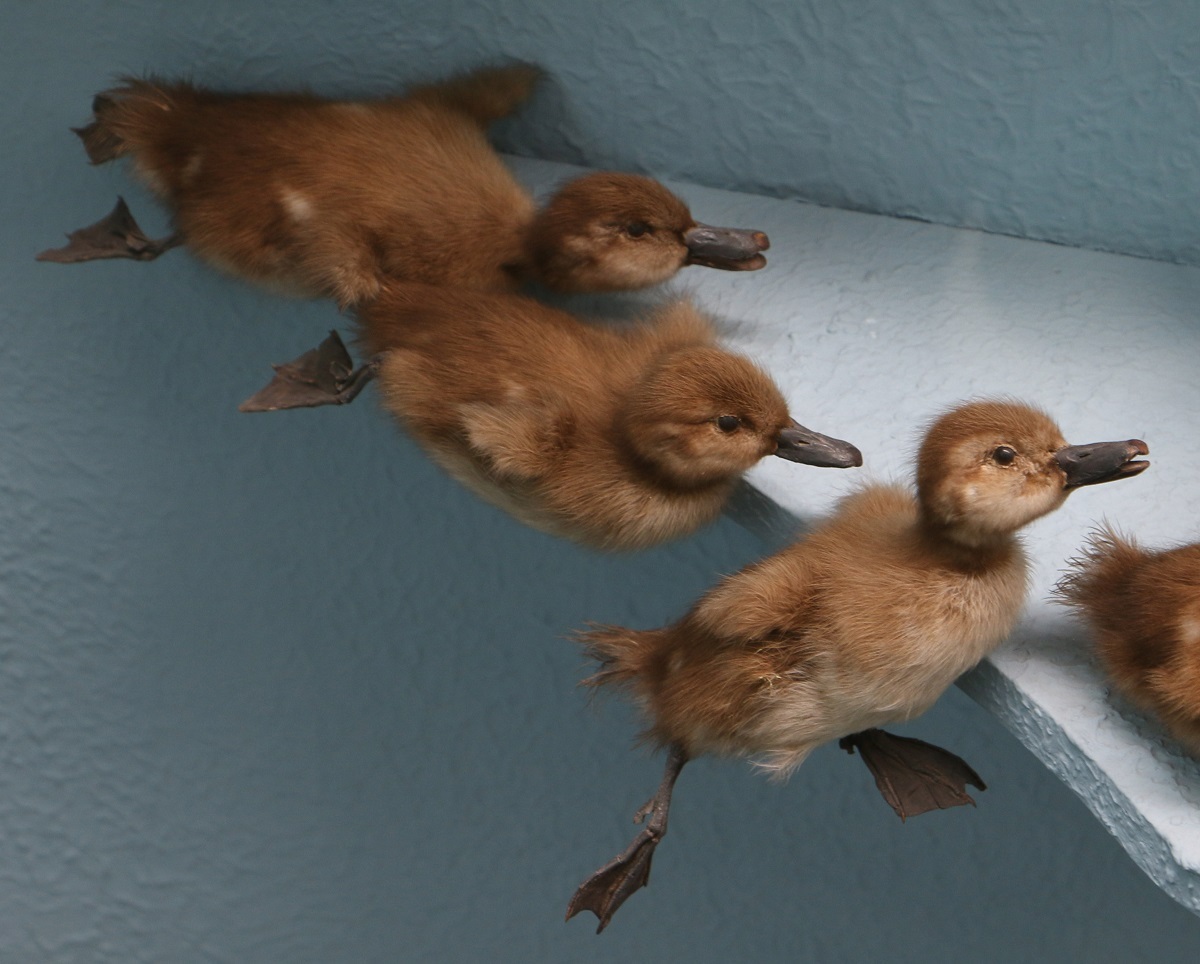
[(618, 437), (322, 197)]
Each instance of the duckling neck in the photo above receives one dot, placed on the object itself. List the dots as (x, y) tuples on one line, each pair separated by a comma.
[(536, 263), (559, 259), (659, 473), (964, 546), (525, 266)]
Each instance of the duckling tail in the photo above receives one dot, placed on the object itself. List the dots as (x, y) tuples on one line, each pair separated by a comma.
[(1103, 569), (484, 95), (126, 118), (624, 655), (100, 142)]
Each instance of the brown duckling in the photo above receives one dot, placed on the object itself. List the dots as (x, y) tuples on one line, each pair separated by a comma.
[(1143, 608), (327, 197), (619, 437), (864, 622)]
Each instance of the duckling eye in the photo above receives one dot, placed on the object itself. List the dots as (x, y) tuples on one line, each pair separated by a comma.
[(729, 423), (637, 229), (1004, 455)]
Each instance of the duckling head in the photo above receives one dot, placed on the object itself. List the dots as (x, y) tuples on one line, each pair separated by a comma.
[(988, 468), (704, 416), (610, 231)]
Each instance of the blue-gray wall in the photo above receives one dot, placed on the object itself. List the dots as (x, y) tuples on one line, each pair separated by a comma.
[(271, 689)]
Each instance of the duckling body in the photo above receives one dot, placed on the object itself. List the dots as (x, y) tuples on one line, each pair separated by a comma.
[(1143, 608), (322, 197), (864, 622), (618, 437)]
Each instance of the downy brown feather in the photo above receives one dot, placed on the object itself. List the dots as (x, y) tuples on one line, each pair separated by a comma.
[(1143, 610)]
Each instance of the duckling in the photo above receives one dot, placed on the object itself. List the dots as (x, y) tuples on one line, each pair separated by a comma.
[(620, 438), (1143, 608), (329, 198), (864, 622)]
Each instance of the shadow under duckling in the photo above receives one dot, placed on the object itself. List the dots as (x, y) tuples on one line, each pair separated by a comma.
[(1143, 609), (620, 438), (322, 197), (864, 622)]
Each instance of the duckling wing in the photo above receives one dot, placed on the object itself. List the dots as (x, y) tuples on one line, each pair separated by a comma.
[(913, 776), (117, 235), (520, 441), (776, 598)]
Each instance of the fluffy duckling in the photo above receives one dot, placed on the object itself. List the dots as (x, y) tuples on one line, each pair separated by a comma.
[(617, 437), (1143, 609), (324, 197), (864, 622)]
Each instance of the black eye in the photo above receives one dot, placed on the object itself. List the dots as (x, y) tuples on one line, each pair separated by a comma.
[(1004, 455), (637, 229), (729, 423)]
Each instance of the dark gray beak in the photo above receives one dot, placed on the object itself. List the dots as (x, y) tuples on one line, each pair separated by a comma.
[(730, 249), (799, 444), (1102, 461)]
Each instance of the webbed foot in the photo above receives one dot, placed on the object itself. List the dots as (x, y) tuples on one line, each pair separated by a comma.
[(116, 235), (913, 776), (608, 888), (324, 375)]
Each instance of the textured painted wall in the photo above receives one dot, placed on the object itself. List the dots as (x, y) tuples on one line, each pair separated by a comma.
[(1076, 122), (271, 689)]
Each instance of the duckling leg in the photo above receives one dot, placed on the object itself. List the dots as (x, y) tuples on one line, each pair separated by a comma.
[(115, 236), (324, 375), (610, 886), (913, 776)]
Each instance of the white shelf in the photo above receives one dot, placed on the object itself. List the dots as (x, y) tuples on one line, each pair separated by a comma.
[(873, 325)]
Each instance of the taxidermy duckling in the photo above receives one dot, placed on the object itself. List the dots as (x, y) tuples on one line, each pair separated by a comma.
[(329, 198), (864, 622), (1143, 609), (617, 437)]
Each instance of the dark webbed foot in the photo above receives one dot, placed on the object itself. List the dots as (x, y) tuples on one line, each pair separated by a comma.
[(115, 236), (913, 776), (324, 375), (609, 887)]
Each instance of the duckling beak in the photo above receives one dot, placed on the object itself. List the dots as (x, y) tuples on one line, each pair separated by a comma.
[(730, 249), (1101, 462), (799, 444)]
